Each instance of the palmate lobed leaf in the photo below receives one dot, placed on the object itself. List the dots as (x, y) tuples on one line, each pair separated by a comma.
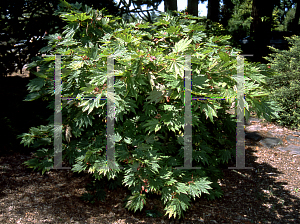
[(182, 45), (155, 96)]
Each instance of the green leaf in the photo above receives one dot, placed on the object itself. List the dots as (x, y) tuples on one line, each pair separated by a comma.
[(69, 17), (155, 96), (209, 111), (182, 45), (136, 201), (83, 16), (36, 84), (88, 88), (92, 105), (152, 125), (149, 109), (75, 65), (65, 42), (224, 56), (85, 106), (32, 96), (177, 66), (65, 4)]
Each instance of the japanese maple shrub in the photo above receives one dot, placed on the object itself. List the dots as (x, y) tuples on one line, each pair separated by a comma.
[(149, 99)]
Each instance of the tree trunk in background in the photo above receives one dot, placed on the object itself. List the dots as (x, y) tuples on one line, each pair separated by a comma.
[(170, 5), (261, 28), (193, 7), (213, 10), (227, 11), (294, 25)]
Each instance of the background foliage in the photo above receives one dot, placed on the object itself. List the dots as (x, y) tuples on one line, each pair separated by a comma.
[(285, 85)]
